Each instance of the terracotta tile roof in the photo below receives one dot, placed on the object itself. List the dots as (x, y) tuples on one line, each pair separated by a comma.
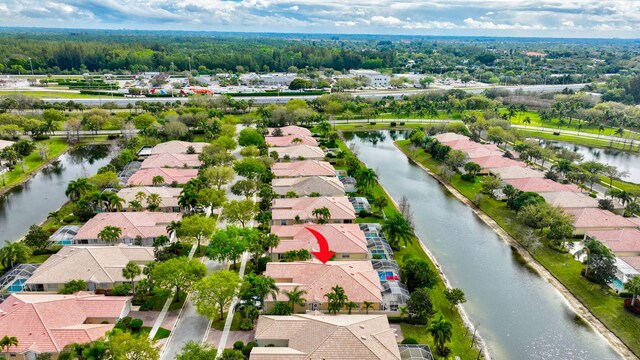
[(483, 151), (598, 219), (516, 172), (342, 238), (463, 144), (177, 147), (170, 175), (169, 195), (624, 240), (48, 322), (362, 337), (171, 160), (5, 143), (303, 168), (292, 130), (305, 151), (97, 264), (633, 261), (287, 209), (305, 186), (541, 185), (359, 280), (570, 199), (133, 224), (446, 137), (490, 162), (288, 140)]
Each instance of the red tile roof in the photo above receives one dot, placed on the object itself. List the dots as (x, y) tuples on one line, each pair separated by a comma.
[(288, 140), (170, 175), (132, 224), (292, 130), (624, 240), (446, 137), (171, 160), (287, 209), (303, 168), (598, 219), (359, 280), (463, 144), (496, 161), (541, 185), (48, 322), (177, 147), (342, 238)]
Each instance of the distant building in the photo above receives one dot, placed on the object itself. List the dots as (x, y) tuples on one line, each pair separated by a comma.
[(375, 79)]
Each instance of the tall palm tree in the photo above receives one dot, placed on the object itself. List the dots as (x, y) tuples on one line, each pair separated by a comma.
[(14, 253), (264, 286), (154, 201), (351, 305), (7, 342), (397, 229), (130, 271), (157, 180), (441, 330), (337, 299), (633, 286), (77, 188), (365, 177), (367, 305), (110, 234), (322, 214), (381, 202), (295, 297)]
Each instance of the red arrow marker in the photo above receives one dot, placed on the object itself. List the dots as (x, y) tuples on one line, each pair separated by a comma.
[(324, 254)]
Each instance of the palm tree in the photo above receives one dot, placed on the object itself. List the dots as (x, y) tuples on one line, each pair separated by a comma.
[(526, 120), (381, 202), (404, 311), (188, 199), (8, 341), (14, 253), (110, 234), (157, 180), (322, 214), (295, 297), (351, 305), (77, 188), (397, 228), (365, 177), (173, 226), (130, 271), (441, 330), (367, 305), (337, 299), (263, 286), (154, 201)]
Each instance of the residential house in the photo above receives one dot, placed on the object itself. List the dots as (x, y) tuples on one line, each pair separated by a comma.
[(170, 176), (516, 172), (570, 199), (100, 266), (302, 169), (319, 336), (540, 185), (358, 279), (292, 130), (596, 219), (446, 137), (305, 186), (628, 267), (483, 151), (46, 323), (138, 228), (298, 152), (491, 162), (346, 240), (623, 242), (169, 160), (290, 140), (178, 147), (464, 145), (168, 197), (300, 210)]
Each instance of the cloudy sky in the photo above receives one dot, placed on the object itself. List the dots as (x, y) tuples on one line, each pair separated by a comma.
[(546, 18)]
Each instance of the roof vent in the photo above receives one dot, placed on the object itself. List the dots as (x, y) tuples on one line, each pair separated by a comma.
[(361, 326), (363, 337)]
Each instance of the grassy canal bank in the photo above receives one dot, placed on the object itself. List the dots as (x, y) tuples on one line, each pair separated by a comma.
[(600, 301), (462, 337)]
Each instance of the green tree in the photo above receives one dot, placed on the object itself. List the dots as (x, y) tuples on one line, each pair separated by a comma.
[(295, 297), (73, 286), (367, 305), (490, 184), (197, 227), (600, 264), (110, 234), (260, 286), (192, 350), (250, 136), (230, 243), (337, 298), (179, 273), (218, 176), (350, 305), (322, 214), (455, 296), (14, 253), (77, 188), (397, 229), (441, 330), (154, 201), (7, 342), (417, 273), (365, 177), (633, 286), (124, 345), (157, 180), (380, 202), (472, 168), (214, 293), (37, 237), (239, 211), (131, 271), (419, 305)]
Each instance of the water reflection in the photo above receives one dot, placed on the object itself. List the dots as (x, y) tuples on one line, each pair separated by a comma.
[(29, 203), (521, 316)]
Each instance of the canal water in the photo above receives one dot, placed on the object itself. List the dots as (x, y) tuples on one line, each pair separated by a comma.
[(519, 315), (31, 202), (624, 160)]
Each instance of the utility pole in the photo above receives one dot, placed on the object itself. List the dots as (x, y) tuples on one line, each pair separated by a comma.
[(31, 64)]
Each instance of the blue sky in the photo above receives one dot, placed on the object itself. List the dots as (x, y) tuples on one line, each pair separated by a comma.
[(545, 18)]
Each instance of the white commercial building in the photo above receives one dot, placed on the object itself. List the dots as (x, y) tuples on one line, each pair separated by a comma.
[(376, 79)]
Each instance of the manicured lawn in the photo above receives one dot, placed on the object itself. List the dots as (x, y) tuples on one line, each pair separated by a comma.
[(56, 95), (554, 124), (593, 142), (161, 334), (601, 302), (460, 343), (235, 323), (33, 161)]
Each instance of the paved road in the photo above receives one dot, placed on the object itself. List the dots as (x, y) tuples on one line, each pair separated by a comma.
[(190, 325), (283, 99)]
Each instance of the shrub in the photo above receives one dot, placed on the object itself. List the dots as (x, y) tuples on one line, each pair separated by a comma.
[(246, 324), (70, 219), (124, 323), (393, 124), (401, 124), (121, 290), (238, 345), (372, 123), (468, 177), (135, 325), (363, 213), (409, 341), (113, 136), (246, 350)]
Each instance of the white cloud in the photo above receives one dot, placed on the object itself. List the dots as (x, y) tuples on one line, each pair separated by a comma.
[(294, 8)]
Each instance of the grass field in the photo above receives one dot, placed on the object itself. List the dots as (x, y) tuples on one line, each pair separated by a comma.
[(461, 341), (54, 95), (607, 307), (32, 162), (554, 124), (593, 142)]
